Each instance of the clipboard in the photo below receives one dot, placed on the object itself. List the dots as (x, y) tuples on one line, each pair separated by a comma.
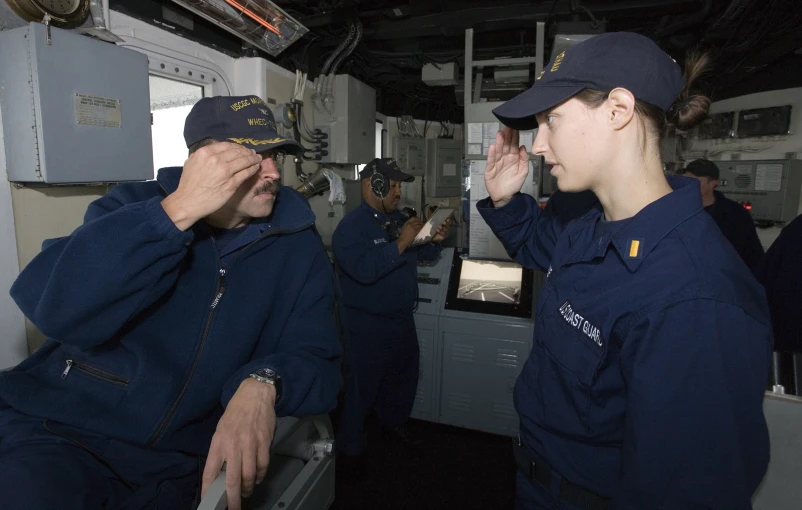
[(432, 225)]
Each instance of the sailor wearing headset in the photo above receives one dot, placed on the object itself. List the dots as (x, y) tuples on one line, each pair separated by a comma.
[(377, 269)]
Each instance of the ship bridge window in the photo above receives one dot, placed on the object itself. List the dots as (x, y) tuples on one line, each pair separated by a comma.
[(170, 103)]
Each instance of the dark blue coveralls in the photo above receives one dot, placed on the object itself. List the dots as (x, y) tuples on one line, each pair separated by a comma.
[(379, 288), (147, 343), (781, 275), (738, 227), (644, 387)]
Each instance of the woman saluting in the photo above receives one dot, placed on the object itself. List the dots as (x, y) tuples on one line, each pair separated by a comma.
[(645, 383)]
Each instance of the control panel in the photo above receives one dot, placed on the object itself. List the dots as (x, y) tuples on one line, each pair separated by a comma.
[(432, 275), (768, 189)]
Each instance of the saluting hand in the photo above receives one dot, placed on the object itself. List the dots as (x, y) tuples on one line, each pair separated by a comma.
[(507, 167), (210, 177)]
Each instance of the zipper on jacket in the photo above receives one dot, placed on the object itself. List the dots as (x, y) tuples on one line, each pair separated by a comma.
[(221, 288), (94, 372)]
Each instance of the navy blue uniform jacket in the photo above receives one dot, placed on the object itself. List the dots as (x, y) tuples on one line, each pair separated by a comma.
[(651, 353), (738, 227), (781, 274), (157, 337), (374, 277)]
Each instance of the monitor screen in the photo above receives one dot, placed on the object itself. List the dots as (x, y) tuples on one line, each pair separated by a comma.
[(489, 287), (485, 280)]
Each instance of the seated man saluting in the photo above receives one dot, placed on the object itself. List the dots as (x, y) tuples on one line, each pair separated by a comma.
[(182, 317)]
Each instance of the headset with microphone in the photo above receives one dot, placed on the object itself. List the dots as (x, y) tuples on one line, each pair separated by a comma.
[(379, 184)]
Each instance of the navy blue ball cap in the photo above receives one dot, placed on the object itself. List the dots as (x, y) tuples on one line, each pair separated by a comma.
[(245, 120), (603, 62), (702, 168), (387, 167)]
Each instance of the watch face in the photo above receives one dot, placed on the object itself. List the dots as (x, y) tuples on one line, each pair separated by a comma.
[(266, 372)]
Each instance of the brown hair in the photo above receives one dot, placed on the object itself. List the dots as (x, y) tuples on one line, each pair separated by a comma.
[(688, 110), (203, 143)]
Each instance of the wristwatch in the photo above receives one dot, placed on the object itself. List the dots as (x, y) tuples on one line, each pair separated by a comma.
[(268, 376)]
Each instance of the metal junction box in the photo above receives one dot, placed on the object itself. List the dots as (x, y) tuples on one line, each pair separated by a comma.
[(410, 154), (443, 167), (769, 189), (74, 109), (440, 75), (351, 125)]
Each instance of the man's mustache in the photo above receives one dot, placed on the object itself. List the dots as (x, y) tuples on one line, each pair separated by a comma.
[(268, 187)]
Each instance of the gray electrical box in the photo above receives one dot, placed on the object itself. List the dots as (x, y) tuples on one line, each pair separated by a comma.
[(351, 127), (769, 189), (443, 167), (440, 75), (410, 154), (74, 109)]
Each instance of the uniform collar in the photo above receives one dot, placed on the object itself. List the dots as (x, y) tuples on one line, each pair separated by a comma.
[(375, 212), (638, 237)]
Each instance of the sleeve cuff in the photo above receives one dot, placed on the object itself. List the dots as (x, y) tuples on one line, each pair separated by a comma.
[(394, 256), (163, 224), (508, 214), (233, 383)]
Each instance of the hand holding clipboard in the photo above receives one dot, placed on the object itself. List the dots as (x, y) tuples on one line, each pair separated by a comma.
[(432, 227)]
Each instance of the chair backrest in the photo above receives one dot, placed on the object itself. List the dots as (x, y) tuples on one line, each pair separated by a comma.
[(781, 488)]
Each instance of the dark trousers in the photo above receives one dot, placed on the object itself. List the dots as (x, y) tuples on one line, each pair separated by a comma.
[(530, 495), (382, 365), (48, 466)]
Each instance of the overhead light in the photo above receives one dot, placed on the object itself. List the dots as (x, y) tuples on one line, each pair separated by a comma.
[(253, 16), (261, 23)]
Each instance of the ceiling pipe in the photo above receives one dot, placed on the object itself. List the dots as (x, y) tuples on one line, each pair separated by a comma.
[(522, 14)]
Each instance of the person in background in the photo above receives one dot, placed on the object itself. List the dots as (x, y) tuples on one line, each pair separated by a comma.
[(780, 272), (377, 268), (734, 221)]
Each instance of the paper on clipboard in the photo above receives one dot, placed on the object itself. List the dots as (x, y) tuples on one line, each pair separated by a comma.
[(430, 227)]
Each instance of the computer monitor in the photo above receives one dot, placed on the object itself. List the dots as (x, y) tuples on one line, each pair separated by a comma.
[(489, 286), (486, 280)]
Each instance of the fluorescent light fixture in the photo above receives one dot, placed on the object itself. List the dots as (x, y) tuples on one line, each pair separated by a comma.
[(261, 23)]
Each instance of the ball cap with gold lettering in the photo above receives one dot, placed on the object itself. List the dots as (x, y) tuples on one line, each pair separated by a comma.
[(245, 120), (603, 62)]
